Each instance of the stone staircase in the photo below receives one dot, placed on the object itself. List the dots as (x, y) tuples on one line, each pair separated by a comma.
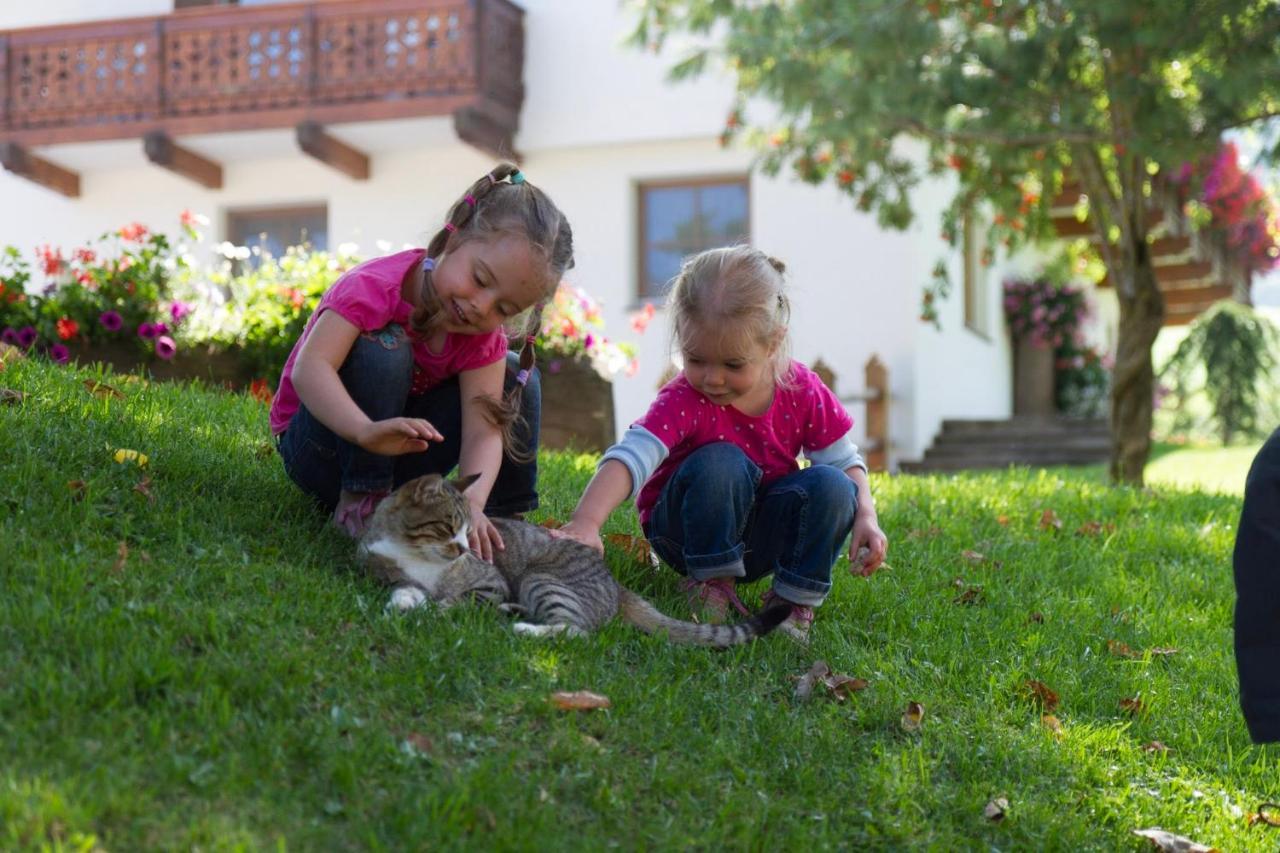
[(1022, 440)]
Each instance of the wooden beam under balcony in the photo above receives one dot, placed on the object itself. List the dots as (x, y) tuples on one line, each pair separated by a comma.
[(333, 152), (163, 151), (23, 163), (478, 129), (1179, 297)]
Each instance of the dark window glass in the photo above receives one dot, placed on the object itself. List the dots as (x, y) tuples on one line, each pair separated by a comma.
[(678, 220)]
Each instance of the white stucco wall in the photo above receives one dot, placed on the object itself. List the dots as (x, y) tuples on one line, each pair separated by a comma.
[(14, 14), (589, 136)]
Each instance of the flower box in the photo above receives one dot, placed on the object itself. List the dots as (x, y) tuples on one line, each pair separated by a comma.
[(577, 406)]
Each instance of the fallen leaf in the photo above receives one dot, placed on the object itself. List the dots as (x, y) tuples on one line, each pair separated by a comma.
[(1036, 617), (550, 523), (102, 390), (1002, 520), (1132, 705), (124, 455), (971, 596), (1170, 843), (805, 683), (913, 717), (144, 488), (122, 557), (1040, 693), (1161, 652), (839, 686), (1120, 650), (1267, 814), (973, 556), (995, 810), (78, 489), (10, 396), (579, 700), (635, 547), (420, 742), (1049, 519), (1154, 746), (264, 450), (1051, 723)]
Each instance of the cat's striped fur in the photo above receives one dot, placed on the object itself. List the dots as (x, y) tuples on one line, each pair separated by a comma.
[(416, 542)]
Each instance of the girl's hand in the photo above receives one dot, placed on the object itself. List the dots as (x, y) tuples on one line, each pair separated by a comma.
[(867, 534), (583, 532), (396, 436), (484, 538)]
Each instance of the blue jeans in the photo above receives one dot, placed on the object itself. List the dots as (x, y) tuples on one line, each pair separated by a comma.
[(714, 520), (377, 374)]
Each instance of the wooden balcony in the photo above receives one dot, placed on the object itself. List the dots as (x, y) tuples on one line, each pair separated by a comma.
[(228, 68)]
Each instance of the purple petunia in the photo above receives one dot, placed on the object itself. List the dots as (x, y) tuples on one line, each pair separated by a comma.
[(161, 329), (59, 353), (111, 320), (147, 331), (9, 336), (27, 336), (165, 347), (178, 311)]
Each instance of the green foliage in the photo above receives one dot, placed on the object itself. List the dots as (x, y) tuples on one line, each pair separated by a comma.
[(259, 309), (1230, 356), (198, 665)]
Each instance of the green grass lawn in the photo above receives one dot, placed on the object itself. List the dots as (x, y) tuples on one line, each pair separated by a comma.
[(189, 660)]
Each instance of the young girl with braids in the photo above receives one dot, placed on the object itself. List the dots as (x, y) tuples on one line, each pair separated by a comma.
[(403, 369), (712, 464)]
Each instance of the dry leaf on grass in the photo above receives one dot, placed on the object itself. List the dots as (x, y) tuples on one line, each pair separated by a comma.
[(78, 489), (1161, 652), (1121, 650), (420, 743), (635, 547), (996, 809), (550, 523), (1051, 723), (124, 455), (144, 488), (9, 396), (971, 596), (102, 390), (1049, 520), (839, 686), (1132, 705), (579, 700), (1170, 843), (973, 556), (122, 557), (1095, 528), (1037, 617), (913, 717), (1154, 746), (1002, 520), (1268, 814), (1040, 693)]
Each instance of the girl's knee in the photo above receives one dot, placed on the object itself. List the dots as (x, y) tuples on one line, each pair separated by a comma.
[(829, 486), (385, 350)]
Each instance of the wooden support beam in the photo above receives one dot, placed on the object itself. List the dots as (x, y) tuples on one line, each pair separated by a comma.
[(1195, 296), (316, 141), (478, 129), (163, 151), (23, 163)]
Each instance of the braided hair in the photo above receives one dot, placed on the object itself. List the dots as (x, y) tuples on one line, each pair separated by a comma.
[(501, 202)]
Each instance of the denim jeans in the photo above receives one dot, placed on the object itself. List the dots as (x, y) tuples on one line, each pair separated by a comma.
[(377, 374), (714, 520)]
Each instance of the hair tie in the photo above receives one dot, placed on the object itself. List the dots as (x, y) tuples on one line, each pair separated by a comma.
[(492, 180), (517, 177), (428, 264), (530, 339), (450, 227), (522, 377), (470, 199)]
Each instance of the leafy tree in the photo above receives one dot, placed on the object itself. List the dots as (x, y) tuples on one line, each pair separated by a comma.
[(1231, 351), (1010, 95)]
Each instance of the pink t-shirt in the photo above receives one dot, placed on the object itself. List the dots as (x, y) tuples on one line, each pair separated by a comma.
[(368, 296), (806, 416)]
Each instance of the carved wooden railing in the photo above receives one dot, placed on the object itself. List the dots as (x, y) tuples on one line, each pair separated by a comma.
[(230, 68)]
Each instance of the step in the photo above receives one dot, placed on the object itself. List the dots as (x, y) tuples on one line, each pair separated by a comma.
[(975, 463), (1027, 449), (1025, 425)]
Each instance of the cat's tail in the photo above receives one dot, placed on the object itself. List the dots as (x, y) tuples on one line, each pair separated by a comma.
[(639, 612)]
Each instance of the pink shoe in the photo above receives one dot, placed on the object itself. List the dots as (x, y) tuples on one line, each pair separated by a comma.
[(353, 511), (798, 623), (710, 600)]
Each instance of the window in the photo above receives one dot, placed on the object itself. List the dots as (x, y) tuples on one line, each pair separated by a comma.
[(276, 229), (977, 314), (678, 219)]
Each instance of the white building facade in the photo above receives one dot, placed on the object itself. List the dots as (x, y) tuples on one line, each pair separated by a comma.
[(601, 129)]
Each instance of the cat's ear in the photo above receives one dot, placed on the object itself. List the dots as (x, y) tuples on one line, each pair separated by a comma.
[(463, 483)]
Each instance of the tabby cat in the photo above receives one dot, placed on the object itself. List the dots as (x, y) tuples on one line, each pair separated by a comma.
[(416, 541)]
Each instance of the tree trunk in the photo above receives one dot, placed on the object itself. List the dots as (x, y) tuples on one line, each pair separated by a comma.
[(1133, 379)]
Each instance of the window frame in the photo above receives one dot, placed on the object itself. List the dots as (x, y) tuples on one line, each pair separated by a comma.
[(976, 284), (695, 182)]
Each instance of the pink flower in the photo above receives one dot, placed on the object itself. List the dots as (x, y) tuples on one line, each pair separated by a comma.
[(59, 353), (165, 347)]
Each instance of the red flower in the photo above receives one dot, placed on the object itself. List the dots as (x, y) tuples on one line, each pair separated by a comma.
[(67, 328), (85, 256), (133, 232), (260, 391), (50, 260)]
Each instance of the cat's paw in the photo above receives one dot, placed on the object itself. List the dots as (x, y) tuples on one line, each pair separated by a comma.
[(406, 598), (510, 608)]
